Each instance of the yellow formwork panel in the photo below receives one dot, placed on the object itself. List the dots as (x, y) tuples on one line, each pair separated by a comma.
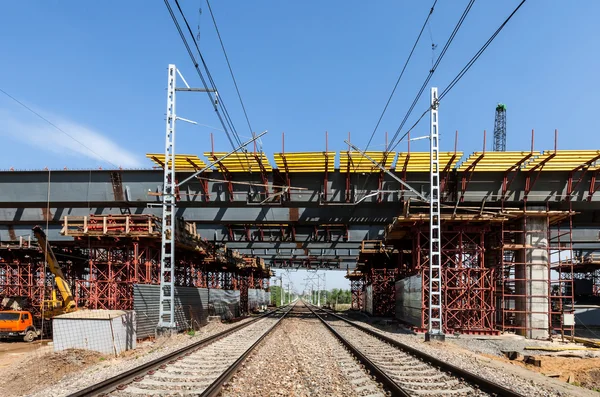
[(240, 162), (419, 161), (497, 161), (305, 161), (565, 160), (356, 162), (183, 162)]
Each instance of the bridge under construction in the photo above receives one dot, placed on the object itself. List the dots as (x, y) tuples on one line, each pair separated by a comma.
[(519, 230)]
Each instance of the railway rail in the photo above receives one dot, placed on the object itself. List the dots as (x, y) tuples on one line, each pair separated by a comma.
[(200, 369), (403, 370)]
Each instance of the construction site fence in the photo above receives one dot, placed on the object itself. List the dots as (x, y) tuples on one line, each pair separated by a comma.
[(191, 308), (224, 303), (409, 300), (258, 298)]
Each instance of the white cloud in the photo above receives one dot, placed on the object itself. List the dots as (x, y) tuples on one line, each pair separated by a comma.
[(31, 130)]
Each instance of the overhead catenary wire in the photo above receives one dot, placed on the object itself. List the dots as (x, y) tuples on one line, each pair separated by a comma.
[(199, 72), (234, 80), (427, 79), (217, 100), (401, 74), (463, 71), (433, 70), (57, 127), (230, 68), (220, 102)]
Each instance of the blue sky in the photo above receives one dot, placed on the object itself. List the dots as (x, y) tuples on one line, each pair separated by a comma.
[(98, 70)]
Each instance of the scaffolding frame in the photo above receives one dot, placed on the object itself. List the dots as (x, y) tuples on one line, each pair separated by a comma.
[(468, 284), (516, 244)]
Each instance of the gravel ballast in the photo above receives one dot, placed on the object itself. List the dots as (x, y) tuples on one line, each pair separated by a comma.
[(519, 379), (301, 358), (110, 367)]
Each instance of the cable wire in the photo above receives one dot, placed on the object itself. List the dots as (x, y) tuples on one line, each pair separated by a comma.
[(427, 79), (433, 69), (57, 127), (220, 102), (230, 69), (197, 67), (401, 74), (464, 70)]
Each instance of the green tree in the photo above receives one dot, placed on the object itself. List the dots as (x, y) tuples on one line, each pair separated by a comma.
[(276, 295)]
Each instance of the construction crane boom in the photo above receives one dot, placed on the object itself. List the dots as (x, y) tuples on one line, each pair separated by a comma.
[(68, 302), (500, 129)]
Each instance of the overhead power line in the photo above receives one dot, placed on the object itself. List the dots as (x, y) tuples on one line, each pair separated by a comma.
[(401, 74), (433, 69), (57, 127), (464, 70), (221, 102), (429, 76), (216, 101), (229, 66)]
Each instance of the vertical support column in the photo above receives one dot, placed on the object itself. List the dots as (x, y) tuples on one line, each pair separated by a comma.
[(166, 319), (435, 327), (532, 281)]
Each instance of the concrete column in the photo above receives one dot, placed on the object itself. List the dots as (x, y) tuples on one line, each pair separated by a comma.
[(532, 274)]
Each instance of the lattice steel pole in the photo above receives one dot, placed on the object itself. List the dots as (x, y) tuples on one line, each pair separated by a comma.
[(166, 318), (435, 328)]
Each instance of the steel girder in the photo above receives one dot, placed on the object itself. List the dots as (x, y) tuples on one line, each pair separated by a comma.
[(136, 188)]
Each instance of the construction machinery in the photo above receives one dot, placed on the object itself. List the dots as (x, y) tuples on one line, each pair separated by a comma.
[(500, 128), (66, 303), (16, 321), (18, 324)]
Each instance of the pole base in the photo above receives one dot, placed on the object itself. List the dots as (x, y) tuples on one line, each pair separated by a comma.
[(165, 331), (434, 337)]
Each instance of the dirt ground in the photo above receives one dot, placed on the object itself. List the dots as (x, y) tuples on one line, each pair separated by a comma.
[(28, 368), (584, 372), (11, 352), (38, 368)]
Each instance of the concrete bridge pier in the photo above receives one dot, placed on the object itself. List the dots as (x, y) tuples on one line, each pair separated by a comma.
[(532, 279)]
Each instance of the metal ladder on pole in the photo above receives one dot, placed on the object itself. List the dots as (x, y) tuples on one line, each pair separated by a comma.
[(166, 319), (435, 329)]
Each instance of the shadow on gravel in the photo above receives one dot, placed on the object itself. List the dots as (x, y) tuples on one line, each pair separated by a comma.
[(382, 323)]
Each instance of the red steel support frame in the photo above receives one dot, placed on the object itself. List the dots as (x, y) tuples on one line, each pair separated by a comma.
[(468, 292), (470, 170), (348, 193), (325, 178), (445, 174), (593, 188), (222, 168), (506, 182), (538, 167), (356, 285), (582, 169), (264, 175), (405, 165)]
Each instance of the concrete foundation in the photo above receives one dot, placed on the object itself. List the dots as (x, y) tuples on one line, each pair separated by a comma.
[(532, 280)]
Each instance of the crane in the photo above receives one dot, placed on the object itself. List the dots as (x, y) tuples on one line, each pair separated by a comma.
[(500, 129), (55, 306)]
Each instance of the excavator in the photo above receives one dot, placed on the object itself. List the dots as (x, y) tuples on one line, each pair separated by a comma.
[(20, 323)]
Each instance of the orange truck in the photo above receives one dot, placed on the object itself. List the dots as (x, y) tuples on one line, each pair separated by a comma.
[(17, 324)]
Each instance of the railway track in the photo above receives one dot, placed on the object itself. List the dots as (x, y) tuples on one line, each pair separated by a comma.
[(196, 370), (403, 370)]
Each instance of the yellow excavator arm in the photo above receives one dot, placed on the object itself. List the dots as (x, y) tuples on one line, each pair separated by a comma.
[(68, 302)]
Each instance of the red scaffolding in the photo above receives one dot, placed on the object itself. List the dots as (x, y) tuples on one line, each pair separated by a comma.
[(535, 295), (109, 254)]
